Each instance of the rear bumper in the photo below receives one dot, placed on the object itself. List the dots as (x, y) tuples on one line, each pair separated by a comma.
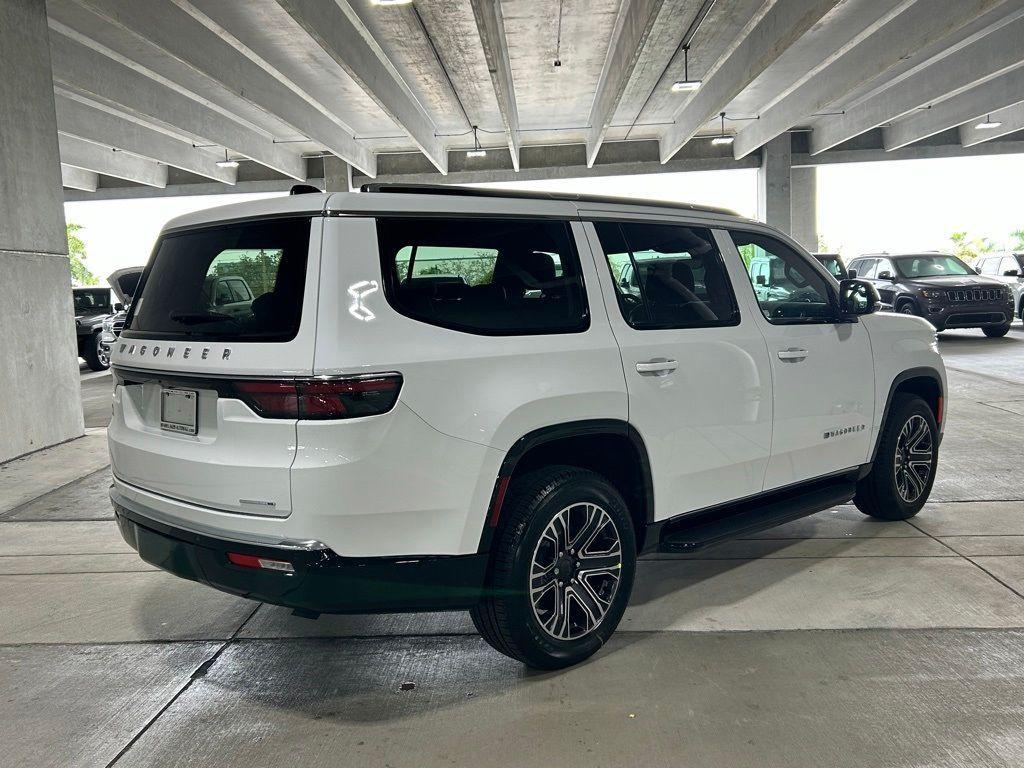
[(323, 581)]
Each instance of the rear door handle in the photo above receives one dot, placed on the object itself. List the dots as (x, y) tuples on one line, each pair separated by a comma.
[(659, 366), (794, 354)]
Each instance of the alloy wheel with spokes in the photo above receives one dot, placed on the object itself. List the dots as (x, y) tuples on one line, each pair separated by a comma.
[(562, 567), (903, 471), (914, 459), (575, 571)]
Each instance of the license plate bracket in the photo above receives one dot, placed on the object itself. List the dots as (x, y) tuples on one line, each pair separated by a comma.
[(178, 411)]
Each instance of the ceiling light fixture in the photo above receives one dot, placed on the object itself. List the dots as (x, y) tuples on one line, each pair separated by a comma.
[(722, 138), (988, 124), (477, 150), (391, 2), (686, 85), (227, 162)]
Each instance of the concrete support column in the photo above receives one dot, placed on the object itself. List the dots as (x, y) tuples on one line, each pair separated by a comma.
[(40, 399), (804, 207), (337, 175), (774, 193)]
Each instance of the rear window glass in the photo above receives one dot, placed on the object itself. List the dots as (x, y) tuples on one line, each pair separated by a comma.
[(490, 276), (240, 282), (96, 300)]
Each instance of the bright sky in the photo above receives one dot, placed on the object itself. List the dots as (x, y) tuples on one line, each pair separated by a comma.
[(863, 207)]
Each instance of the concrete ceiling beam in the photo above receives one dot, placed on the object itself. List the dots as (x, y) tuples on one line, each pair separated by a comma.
[(762, 42), (1012, 120), (79, 178), (75, 118), (113, 85), (491, 26), (180, 34), (998, 93), (905, 29), (83, 154), (337, 28), (989, 53), (633, 26)]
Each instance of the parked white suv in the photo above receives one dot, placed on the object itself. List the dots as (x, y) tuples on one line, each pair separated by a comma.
[(444, 398), (1006, 268)]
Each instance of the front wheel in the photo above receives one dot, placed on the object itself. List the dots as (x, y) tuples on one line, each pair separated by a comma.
[(997, 332), (94, 356), (562, 568), (903, 471)]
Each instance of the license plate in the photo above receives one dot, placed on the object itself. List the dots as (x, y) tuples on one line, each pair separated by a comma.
[(178, 411)]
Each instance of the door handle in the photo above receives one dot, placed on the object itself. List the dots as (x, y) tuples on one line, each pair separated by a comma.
[(793, 354), (659, 366)]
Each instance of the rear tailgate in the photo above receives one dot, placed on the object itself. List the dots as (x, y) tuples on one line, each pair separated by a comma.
[(218, 305)]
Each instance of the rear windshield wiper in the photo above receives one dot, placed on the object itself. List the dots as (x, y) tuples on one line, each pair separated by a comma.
[(199, 318)]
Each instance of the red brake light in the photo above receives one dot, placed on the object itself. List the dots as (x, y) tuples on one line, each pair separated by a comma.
[(320, 399), (272, 399)]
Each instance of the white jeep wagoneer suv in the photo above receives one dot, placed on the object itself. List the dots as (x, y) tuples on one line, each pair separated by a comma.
[(443, 398)]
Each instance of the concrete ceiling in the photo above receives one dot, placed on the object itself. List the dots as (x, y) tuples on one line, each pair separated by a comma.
[(271, 83)]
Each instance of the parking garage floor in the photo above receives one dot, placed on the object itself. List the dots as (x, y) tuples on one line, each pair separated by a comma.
[(835, 640)]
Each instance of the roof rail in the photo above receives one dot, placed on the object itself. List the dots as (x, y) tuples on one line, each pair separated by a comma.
[(454, 190)]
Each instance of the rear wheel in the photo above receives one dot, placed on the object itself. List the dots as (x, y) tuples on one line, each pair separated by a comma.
[(94, 358), (562, 568), (996, 332), (903, 472)]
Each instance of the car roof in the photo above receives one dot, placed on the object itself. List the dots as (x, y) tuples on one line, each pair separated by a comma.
[(918, 254), (398, 199)]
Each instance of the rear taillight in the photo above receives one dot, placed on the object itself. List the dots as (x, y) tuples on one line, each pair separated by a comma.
[(320, 399)]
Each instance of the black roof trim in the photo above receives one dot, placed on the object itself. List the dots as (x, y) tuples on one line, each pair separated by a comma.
[(454, 190)]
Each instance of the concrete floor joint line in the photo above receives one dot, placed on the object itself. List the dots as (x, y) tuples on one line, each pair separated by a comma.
[(198, 673)]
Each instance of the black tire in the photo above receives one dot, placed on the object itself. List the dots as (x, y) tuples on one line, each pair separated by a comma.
[(507, 617), (997, 331), (91, 353), (880, 494), (907, 307)]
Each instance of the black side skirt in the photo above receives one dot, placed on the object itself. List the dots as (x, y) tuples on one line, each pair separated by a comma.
[(694, 531)]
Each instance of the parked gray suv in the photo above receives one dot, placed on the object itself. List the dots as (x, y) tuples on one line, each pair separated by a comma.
[(940, 288)]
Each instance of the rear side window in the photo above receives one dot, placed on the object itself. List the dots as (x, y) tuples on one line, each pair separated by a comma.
[(238, 282), (488, 276), (667, 276)]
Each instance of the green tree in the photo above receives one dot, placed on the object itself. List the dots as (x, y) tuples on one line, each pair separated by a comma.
[(967, 249), (1017, 243), (257, 268), (80, 273)]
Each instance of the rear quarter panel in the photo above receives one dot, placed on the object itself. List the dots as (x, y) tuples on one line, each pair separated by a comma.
[(424, 484)]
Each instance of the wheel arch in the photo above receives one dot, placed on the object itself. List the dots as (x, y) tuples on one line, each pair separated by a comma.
[(611, 447), (904, 298), (926, 383)]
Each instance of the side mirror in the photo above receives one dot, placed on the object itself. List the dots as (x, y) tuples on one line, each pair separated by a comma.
[(1011, 273), (886, 275), (762, 280), (119, 307), (856, 298), (851, 274)]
